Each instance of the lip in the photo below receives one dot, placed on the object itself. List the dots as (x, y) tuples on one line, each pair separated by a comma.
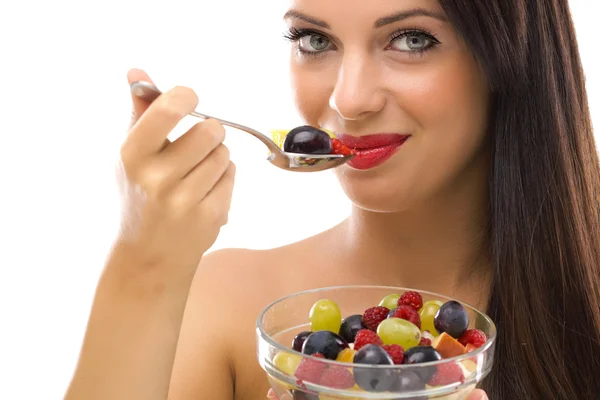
[(372, 150)]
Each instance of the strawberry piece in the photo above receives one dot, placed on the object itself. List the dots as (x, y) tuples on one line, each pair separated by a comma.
[(373, 317), (408, 313), (474, 337), (396, 352), (340, 148), (412, 299), (365, 337), (425, 342), (337, 377), (310, 370), (447, 374)]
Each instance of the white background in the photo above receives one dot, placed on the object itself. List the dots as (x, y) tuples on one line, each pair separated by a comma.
[(64, 109)]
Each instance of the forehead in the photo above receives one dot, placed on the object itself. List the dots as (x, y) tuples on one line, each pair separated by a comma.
[(359, 12)]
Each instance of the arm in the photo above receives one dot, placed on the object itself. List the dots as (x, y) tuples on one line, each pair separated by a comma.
[(131, 338), (176, 197), (203, 367)]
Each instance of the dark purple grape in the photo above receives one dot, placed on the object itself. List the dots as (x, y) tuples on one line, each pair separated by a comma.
[(374, 379), (392, 312), (451, 318), (307, 140), (299, 340), (408, 381), (422, 354), (327, 343), (300, 395), (350, 327)]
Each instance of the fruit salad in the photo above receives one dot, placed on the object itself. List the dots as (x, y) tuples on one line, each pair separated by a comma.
[(307, 139), (402, 330)]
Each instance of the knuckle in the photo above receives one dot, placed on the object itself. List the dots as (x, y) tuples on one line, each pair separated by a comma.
[(153, 178), (187, 95), (222, 154), (180, 201), (170, 109), (211, 212), (177, 102), (213, 129)]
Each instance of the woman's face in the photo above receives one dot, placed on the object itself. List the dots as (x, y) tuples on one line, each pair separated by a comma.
[(392, 79)]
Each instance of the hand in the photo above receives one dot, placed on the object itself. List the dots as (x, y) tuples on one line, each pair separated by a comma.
[(176, 196), (477, 394)]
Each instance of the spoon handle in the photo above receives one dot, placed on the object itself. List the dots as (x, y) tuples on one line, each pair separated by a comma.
[(149, 92)]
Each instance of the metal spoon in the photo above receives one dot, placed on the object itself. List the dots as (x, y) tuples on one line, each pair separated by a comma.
[(278, 157)]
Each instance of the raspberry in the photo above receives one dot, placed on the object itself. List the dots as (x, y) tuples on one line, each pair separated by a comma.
[(311, 370), (340, 148), (408, 313), (410, 298), (474, 336), (373, 317), (365, 337), (396, 352), (425, 342), (337, 378), (447, 374)]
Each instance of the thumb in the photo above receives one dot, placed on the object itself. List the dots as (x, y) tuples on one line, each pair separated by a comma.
[(139, 106)]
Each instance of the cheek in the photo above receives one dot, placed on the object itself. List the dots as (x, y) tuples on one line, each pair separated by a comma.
[(311, 90), (448, 104)]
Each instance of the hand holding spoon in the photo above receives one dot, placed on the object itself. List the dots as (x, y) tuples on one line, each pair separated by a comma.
[(289, 161)]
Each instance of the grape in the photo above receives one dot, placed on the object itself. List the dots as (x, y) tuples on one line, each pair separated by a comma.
[(399, 331), (307, 140), (299, 340), (373, 379), (287, 362), (300, 395), (326, 343), (325, 315), (422, 354), (409, 381), (427, 314), (390, 301), (452, 318), (350, 327)]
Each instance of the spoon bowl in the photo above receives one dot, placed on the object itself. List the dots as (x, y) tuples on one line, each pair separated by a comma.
[(285, 160)]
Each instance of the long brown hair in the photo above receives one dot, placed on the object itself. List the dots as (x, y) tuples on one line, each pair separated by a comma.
[(544, 211)]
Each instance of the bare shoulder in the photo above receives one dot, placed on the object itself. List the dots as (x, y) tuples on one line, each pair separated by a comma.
[(217, 345)]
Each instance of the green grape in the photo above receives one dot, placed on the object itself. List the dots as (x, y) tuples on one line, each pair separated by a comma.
[(399, 331), (287, 362), (427, 314), (325, 315), (390, 301)]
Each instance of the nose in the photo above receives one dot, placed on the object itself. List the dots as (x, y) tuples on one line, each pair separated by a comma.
[(357, 93)]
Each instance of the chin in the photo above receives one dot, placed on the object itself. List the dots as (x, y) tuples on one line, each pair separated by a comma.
[(375, 192)]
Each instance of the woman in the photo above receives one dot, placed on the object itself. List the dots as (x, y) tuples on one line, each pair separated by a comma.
[(490, 196)]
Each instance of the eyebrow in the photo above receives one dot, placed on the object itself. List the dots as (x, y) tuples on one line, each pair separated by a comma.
[(416, 12), (400, 16)]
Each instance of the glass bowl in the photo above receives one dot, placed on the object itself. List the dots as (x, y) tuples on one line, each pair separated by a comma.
[(283, 319)]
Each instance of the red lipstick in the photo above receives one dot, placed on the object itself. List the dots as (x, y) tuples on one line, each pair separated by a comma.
[(372, 150)]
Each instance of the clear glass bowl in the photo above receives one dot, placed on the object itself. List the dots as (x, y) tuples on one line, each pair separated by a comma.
[(282, 320)]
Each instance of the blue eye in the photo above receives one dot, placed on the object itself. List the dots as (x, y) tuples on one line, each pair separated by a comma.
[(413, 41), (313, 43)]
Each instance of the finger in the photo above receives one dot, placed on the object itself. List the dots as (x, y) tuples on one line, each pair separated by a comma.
[(477, 394), (139, 105), (190, 149), (202, 179), (161, 117), (215, 206), (271, 395)]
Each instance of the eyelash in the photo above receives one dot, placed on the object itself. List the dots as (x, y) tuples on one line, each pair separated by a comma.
[(294, 35)]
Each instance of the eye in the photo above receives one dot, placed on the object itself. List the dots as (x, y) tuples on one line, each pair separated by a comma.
[(413, 41), (312, 43)]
